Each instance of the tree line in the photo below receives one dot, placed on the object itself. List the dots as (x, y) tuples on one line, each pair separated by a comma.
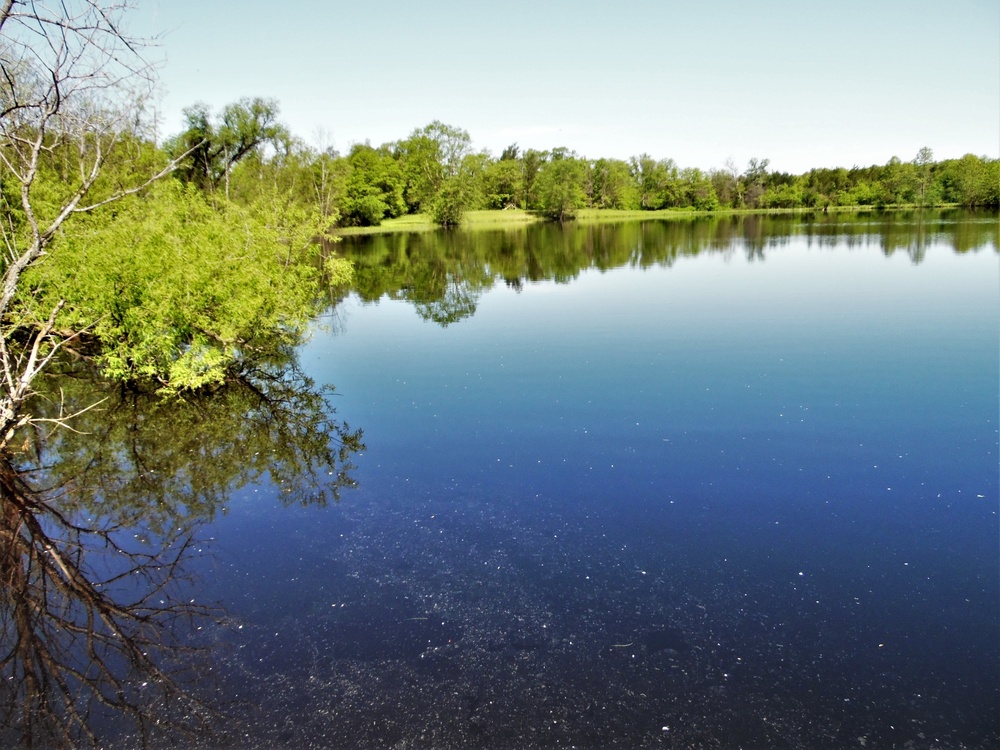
[(436, 171)]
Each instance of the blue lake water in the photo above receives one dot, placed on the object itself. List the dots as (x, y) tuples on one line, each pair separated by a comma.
[(745, 498)]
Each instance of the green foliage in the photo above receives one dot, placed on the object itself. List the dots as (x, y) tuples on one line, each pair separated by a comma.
[(972, 181), (453, 145), (462, 191), (426, 158), (783, 196), (127, 161), (610, 185), (176, 292), (657, 182), (502, 184), (419, 159), (373, 188), (560, 188), (339, 272), (213, 148), (531, 167), (450, 203), (200, 165), (698, 190), (434, 171)]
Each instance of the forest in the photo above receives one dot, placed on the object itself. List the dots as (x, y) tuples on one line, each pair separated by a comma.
[(436, 171)]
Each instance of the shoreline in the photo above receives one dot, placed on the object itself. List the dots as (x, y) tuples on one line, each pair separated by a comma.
[(516, 217)]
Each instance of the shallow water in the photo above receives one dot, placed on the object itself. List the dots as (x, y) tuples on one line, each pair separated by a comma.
[(746, 498)]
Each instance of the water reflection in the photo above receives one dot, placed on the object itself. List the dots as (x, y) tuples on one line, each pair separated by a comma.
[(89, 621), (99, 527), (444, 273)]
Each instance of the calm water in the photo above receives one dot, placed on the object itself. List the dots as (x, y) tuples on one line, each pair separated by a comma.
[(712, 484)]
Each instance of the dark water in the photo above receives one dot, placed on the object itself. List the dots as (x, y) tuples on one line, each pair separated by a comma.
[(703, 485)]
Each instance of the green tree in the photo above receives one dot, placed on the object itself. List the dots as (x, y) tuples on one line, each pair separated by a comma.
[(463, 191), (657, 182), (900, 180), (973, 181), (427, 157), (208, 151), (510, 153), (175, 292), (450, 203), (502, 184), (73, 87), (924, 162), (753, 181), (374, 187), (610, 185), (419, 160), (560, 186), (698, 190), (454, 144), (531, 166)]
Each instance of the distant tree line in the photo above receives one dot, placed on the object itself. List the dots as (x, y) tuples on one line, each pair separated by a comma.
[(435, 171)]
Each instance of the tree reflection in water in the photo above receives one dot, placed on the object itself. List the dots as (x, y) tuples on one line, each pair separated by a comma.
[(98, 525), (444, 274)]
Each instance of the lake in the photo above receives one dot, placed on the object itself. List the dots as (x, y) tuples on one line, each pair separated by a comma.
[(720, 483)]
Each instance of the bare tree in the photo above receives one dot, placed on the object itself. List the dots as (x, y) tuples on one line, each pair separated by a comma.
[(73, 85)]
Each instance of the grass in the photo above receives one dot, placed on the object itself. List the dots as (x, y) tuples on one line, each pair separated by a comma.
[(471, 220), (593, 215), (508, 218), (408, 223)]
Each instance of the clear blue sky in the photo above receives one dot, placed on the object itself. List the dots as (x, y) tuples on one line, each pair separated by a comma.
[(802, 83)]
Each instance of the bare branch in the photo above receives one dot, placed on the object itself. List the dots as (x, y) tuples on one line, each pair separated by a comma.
[(69, 73)]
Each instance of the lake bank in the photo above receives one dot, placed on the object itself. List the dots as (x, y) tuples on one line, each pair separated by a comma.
[(509, 218)]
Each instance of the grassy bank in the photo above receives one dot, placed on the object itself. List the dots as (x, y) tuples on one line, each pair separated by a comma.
[(517, 217), (471, 220)]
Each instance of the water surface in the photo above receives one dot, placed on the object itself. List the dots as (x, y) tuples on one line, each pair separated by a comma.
[(713, 483), (695, 485)]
